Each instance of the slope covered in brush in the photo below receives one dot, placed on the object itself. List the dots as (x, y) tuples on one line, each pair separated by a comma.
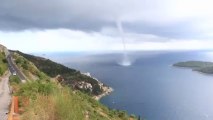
[(44, 98), (68, 76)]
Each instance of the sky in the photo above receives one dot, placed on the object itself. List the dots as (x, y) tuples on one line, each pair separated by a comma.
[(79, 25)]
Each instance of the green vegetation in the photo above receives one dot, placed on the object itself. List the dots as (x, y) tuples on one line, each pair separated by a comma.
[(28, 68), (194, 64), (14, 79), (204, 67), (32, 88), (46, 100), (3, 63), (71, 76)]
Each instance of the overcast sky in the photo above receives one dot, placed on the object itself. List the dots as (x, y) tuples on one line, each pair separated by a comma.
[(79, 25)]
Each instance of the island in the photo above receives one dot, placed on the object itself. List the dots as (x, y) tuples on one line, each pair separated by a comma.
[(200, 66)]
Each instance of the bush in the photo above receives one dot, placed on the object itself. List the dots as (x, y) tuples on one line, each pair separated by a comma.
[(4, 60), (25, 66), (18, 61), (32, 88), (122, 114), (3, 63), (1, 72), (14, 79)]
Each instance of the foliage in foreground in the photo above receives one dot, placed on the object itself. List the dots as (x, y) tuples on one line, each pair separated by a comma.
[(42, 100), (14, 79), (3, 63)]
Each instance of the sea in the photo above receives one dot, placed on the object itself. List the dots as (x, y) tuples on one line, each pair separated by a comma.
[(150, 87)]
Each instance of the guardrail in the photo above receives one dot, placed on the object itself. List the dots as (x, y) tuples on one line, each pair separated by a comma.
[(14, 110)]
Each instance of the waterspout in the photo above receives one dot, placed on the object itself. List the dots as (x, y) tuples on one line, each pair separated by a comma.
[(125, 60)]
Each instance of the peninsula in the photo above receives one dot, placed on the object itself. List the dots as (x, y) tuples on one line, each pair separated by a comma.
[(200, 66)]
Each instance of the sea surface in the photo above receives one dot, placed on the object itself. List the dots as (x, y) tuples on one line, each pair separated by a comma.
[(151, 87)]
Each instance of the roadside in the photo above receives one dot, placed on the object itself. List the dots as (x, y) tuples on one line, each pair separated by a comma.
[(4, 96)]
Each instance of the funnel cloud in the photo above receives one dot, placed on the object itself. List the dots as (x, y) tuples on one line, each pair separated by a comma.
[(125, 61)]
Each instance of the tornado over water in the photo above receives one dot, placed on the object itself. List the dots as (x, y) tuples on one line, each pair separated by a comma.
[(125, 60)]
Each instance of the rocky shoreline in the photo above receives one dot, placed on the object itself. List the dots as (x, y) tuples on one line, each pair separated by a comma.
[(106, 89)]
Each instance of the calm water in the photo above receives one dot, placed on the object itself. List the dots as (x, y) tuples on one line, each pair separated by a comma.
[(151, 87)]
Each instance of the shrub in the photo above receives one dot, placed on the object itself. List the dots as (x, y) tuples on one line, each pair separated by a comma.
[(18, 61), (1, 72), (14, 79), (25, 66), (3, 63), (4, 60), (32, 88)]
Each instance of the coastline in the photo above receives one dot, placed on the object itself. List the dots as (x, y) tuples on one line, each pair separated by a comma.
[(106, 89), (192, 69), (105, 93)]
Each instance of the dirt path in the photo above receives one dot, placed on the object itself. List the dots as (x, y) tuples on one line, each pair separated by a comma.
[(4, 97)]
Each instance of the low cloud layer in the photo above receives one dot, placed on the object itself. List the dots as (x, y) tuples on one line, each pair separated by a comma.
[(79, 41)]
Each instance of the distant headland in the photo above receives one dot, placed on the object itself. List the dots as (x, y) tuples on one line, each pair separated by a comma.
[(200, 66)]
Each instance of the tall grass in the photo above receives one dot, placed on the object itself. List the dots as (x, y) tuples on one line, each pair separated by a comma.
[(69, 106), (42, 108), (33, 88), (49, 101), (3, 63)]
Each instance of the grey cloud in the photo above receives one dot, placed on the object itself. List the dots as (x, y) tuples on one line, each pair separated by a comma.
[(72, 13), (180, 30), (26, 14), (142, 16)]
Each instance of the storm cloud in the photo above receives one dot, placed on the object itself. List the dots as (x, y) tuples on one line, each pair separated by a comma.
[(168, 18), (28, 14), (91, 25)]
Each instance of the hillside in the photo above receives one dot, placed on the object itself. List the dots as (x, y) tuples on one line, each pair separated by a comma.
[(200, 66), (43, 97), (65, 75), (43, 100), (3, 61)]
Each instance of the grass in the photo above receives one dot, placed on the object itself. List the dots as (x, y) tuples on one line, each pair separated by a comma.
[(14, 79), (42, 100), (3, 63), (32, 88)]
